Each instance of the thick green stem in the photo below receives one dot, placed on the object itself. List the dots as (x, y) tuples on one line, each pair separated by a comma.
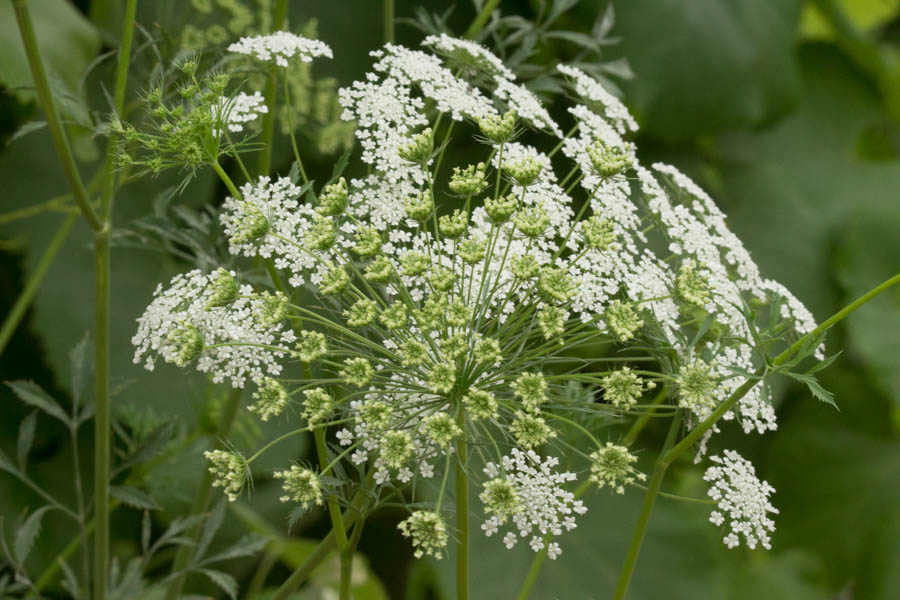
[(54, 123), (482, 18), (388, 21), (325, 547), (101, 413), (656, 478), (185, 553), (334, 510), (268, 125), (462, 512), (347, 561), (24, 300)]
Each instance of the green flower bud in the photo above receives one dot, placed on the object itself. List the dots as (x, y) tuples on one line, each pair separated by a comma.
[(357, 371), (524, 171), (187, 342), (368, 242), (623, 320), (472, 251), (333, 199), (501, 209), (608, 160), (498, 129), (691, 286), (453, 226), (380, 270), (697, 387), (414, 353), (622, 387), (252, 225), (414, 264), (530, 431), (419, 148), (273, 310), (524, 267), (317, 406), (468, 181), (432, 313), (442, 279), (395, 316), (552, 321), (441, 429), (271, 398), (420, 207), (321, 234), (598, 233), (301, 486), (428, 533), (441, 378), (224, 289), (555, 285), (531, 389), (229, 470), (454, 346), (480, 405), (458, 314), (396, 448), (311, 346), (361, 313), (375, 415), (532, 222), (611, 465), (500, 498), (335, 281), (487, 351)]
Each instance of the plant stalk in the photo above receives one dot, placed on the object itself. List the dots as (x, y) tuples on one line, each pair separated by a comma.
[(388, 21), (279, 15), (481, 19), (462, 512)]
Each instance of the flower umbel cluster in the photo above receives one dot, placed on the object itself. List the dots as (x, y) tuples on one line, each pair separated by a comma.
[(439, 310)]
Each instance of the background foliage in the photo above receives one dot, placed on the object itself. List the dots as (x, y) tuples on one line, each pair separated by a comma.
[(787, 112)]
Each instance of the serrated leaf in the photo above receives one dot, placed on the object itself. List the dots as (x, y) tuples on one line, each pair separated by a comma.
[(246, 546), (78, 365), (25, 439), (223, 580), (133, 497), (151, 445), (7, 465), (25, 130), (340, 165), (70, 581), (33, 395), (210, 527), (824, 364), (27, 534), (818, 392)]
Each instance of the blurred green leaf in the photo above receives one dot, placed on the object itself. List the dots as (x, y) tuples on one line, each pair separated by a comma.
[(33, 395), (133, 497), (67, 41), (27, 534), (25, 439)]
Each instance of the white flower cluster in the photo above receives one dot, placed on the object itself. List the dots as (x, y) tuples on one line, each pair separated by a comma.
[(278, 47), (544, 506), (743, 497), (185, 323), (243, 108)]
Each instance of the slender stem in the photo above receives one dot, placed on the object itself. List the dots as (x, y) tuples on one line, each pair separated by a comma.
[(268, 125), (101, 413), (642, 420), (656, 478), (54, 123), (482, 18), (24, 300), (347, 561), (388, 21), (185, 553), (232, 189), (334, 510), (462, 511)]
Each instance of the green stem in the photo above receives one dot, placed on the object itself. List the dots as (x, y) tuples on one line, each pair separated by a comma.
[(268, 125), (482, 18), (325, 547), (388, 21), (54, 123), (347, 561), (185, 553), (232, 189), (642, 421), (334, 510), (24, 300), (101, 413), (656, 478), (462, 512)]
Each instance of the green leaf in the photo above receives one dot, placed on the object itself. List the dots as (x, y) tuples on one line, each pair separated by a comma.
[(27, 534), (25, 130), (79, 366), (223, 580), (133, 497), (150, 446), (67, 42), (25, 439), (33, 395), (210, 527), (818, 392)]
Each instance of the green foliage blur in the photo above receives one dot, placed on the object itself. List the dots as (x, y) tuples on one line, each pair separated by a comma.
[(786, 111)]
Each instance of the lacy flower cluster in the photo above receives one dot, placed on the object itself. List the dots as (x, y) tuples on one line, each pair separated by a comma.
[(442, 306)]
